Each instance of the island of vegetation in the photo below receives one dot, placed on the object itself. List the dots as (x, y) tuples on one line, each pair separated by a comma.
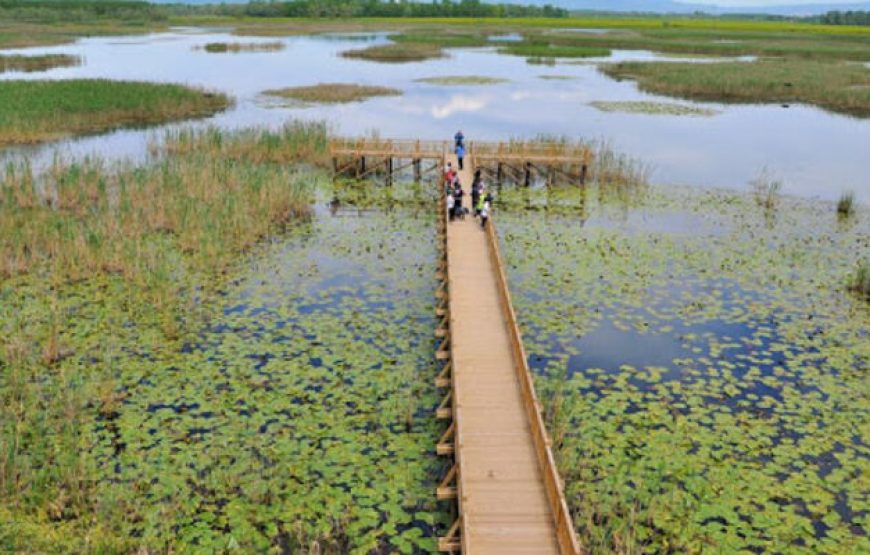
[(42, 62), (840, 87), (233, 47), (223, 348), (333, 93), (34, 111), (458, 80)]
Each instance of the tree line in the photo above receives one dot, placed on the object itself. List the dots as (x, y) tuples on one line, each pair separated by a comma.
[(400, 8), (846, 18), (51, 11)]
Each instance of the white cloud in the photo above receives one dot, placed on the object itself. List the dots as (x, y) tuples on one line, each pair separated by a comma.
[(459, 103)]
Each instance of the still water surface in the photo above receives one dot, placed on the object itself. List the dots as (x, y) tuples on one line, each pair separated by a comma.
[(814, 152)]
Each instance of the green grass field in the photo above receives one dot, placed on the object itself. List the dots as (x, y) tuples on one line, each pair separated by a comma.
[(35, 111)]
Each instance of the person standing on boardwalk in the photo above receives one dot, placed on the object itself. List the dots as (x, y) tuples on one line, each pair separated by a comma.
[(460, 154), (459, 138), (450, 204), (483, 209), (458, 211), (476, 191)]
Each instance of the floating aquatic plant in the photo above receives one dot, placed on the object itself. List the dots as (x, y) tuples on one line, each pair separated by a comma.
[(286, 399), (449, 80), (653, 108), (704, 386)]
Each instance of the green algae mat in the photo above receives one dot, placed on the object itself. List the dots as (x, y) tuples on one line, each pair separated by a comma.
[(703, 369)]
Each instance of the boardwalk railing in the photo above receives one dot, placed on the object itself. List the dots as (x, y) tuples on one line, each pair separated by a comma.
[(462, 534), (532, 151), (517, 151), (396, 148), (512, 160), (568, 542)]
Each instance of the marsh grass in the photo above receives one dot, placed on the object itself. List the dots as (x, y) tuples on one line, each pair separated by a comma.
[(536, 50), (209, 196), (652, 108), (725, 41), (846, 205), (445, 39), (35, 111), (37, 63), (333, 93), (613, 173), (859, 282), (767, 190), (235, 47), (397, 53), (461, 80), (839, 87), (119, 300), (296, 143), (541, 61)]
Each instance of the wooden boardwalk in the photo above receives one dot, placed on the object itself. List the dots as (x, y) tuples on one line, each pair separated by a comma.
[(504, 478)]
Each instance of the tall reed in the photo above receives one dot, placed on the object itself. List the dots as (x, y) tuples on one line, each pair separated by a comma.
[(846, 205)]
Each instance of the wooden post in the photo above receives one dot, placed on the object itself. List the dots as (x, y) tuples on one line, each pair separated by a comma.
[(417, 173), (527, 181), (361, 169), (334, 167), (583, 170), (498, 174), (390, 171)]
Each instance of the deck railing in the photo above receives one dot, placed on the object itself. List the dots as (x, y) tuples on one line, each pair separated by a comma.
[(477, 151), (568, 542)]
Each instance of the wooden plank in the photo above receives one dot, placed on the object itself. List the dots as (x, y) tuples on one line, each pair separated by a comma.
[(493, 439)]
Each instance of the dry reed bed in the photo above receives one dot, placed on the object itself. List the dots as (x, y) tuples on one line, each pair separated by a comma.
[(605, 166), (37, 63), (236, 47), (212, 195)]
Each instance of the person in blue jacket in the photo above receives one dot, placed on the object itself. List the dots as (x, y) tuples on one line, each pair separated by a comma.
[(460, 154)]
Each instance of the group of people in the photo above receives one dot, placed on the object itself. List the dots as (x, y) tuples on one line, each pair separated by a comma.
[(481, 199)]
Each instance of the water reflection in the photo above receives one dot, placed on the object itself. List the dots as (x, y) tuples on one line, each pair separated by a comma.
[(815, 152)]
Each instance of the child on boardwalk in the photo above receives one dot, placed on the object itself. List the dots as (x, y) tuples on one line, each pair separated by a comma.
[(460, 154), (458, 211), (483, 208)]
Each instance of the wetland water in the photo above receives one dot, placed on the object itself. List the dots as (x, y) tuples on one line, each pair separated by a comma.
[(301, 413), (705, 385), (702, 369), (816, 153)]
